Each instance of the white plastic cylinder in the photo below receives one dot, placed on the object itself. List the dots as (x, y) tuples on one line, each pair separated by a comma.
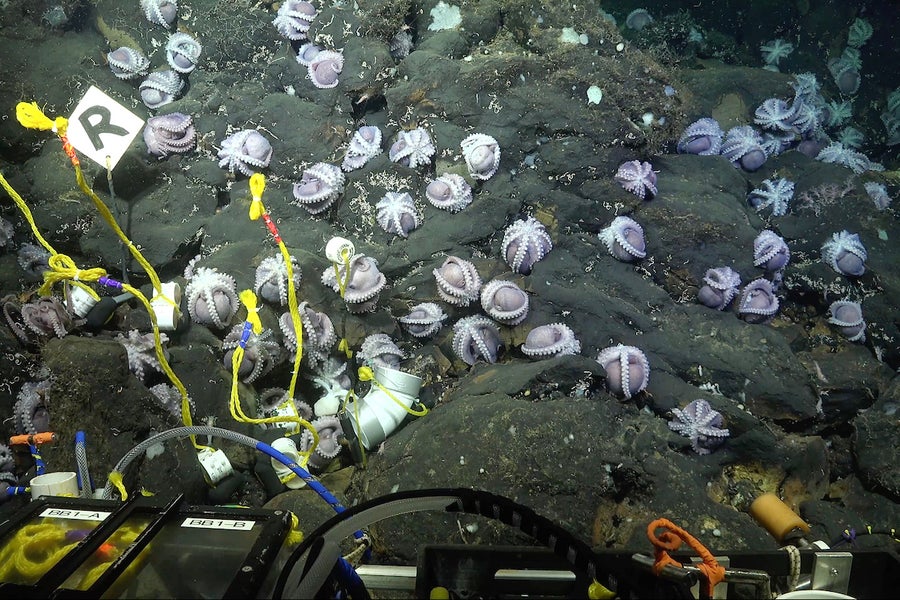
[(61, 483), (337, 247), (215, 464), (379, 414), (287, 447), (82, 302), (330, 403), (166, 316)]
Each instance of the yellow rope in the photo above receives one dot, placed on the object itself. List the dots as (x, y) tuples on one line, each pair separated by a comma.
[(62, 268), (257, 211)]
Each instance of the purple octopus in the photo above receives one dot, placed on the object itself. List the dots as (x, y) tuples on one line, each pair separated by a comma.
[(849, 319), (721, 286), (170, 134), (702, 137), (758, 303), (770, 251), (525, 242), (627, 369), (637, 177), (743, 147), (703, 425)]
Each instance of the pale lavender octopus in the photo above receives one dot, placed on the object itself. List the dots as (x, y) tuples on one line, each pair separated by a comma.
[(211, 297), (624, 239), (364, 146), (318, 188), (476, 338), (637, 177), (182, 52), (396, 212), (261, 353), (412, 148), (702, 137), (319, 335), (775, 194), (160, 88), (307, 52), (173, 133), (482, 155), (168, 398), (504, 301), (31, 412), (845, 71), (627, 369), (525, 242), (160, 12), (294, 18), (423, 320), (845, 253), (271, 279), (721, 286), (770, 251), (458, 282), (246, 151), (331, 377), (743, 147), (547, 341), (272, 402), (33, 260), (379, 350), (47, 316), (128, 63), (849, 319), (758, 303), (776, 114), (450, 192), (703, 425), (363, 285), (324, 68), (330, 434), (141, 351)]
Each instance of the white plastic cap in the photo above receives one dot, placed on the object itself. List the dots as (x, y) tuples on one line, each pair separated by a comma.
[(329, 404), (61, 483), (165, 312), (82, 302), (215, 464), (337, 247), (287, 447)]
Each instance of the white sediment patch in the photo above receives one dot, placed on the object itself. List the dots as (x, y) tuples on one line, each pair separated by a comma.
[(444, 16)]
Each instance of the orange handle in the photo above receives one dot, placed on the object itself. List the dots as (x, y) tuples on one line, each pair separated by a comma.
[(35, 438)]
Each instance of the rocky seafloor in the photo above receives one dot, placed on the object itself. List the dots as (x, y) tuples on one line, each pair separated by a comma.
[(812, 416)]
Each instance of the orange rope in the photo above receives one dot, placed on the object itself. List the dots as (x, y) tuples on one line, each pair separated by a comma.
[(671, 540)]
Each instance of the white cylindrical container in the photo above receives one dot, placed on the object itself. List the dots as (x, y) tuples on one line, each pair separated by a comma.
[(215, 464), (379, 414), (61, 483), (337, 247), (166, 316), (82, 302), (287, 447)]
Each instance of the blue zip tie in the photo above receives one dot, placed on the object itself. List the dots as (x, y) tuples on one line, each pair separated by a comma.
[(245, 334)]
